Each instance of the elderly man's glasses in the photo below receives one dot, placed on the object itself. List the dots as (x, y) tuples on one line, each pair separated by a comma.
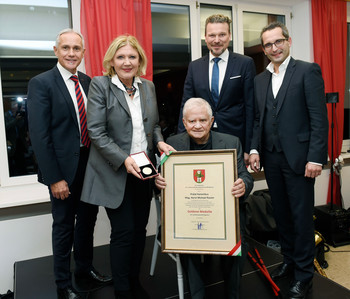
[(278, 43)]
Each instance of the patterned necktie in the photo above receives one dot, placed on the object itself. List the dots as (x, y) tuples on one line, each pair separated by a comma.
[(215, 81), (85, 140)]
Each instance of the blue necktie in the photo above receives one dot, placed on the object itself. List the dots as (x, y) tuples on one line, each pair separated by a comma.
[(215, 81)]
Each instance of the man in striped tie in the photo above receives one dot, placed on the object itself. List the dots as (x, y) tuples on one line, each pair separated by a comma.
[(57, 126)]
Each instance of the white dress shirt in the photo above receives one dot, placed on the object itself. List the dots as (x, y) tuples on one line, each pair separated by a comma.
[(139, 141), (222, 64), (277, 78)]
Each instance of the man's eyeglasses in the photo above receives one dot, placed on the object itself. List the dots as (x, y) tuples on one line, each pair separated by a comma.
[(278, 43)]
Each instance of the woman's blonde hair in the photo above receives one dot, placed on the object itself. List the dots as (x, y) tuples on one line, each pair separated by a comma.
[(118, 43)]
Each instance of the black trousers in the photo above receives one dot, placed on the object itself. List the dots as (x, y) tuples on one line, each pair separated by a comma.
[(231, 268), (128, 236), (73, 225), (292, 198)]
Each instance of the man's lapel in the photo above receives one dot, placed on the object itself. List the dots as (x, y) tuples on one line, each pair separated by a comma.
[(217, 142), (281, 95), (231, 65), (203, 72), (261, 92), (62, 88)]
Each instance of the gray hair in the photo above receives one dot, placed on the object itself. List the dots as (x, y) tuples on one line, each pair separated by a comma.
[(67, 30), (197, 102)]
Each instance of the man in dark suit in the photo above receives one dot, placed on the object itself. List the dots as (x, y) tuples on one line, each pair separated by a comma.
[(198, 119), (56, 127), (290, 141), (231, 94)]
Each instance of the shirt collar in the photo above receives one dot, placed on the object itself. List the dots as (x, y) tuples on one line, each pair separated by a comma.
[(64, 73), (119, 84), (282, 67), (223, 56)]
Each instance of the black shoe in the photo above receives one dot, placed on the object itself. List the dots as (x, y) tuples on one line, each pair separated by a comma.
[(123, 295), (281, 271), (299, 289), (68, 293), (93, 276), (138, 291)]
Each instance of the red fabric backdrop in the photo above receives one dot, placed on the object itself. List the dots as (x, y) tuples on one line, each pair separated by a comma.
[(102, 21), (329, 39)]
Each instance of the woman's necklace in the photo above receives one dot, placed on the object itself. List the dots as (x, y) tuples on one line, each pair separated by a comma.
[(131, 91)]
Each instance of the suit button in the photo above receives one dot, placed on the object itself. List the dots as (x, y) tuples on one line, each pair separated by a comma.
[(148, 135), (146, 119)]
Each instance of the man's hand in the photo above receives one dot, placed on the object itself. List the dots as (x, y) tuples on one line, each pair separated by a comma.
[(160, 182), (246, 159), (132, 167), (164, 147), (60, 190), (238, 188), (254, 161), (312, 170)]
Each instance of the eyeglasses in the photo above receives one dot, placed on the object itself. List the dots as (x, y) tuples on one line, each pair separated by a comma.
[(278, 43)]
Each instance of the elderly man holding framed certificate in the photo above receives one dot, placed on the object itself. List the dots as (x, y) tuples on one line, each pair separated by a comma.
[(208, 197)]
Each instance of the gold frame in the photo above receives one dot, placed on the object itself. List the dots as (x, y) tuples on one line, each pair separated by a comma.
[(199, 213)]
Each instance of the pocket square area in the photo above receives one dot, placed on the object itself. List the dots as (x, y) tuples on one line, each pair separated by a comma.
[(235, 77)]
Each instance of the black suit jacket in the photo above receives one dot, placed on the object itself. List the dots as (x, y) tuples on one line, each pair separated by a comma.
[(53, 126), (301, 114), (181, 142), (234, 113)]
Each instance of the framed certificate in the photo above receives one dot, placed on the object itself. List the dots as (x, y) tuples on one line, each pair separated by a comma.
[(199, 213)]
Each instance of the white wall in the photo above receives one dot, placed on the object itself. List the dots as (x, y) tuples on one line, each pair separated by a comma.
[(30, 237), (301, 31)]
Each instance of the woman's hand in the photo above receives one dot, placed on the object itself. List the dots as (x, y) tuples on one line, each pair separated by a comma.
[(132, 167)]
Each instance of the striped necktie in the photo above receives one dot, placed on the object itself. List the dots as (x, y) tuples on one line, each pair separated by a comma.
[(85, 140)]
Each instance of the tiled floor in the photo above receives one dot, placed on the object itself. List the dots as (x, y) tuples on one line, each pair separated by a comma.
[(338, 260)]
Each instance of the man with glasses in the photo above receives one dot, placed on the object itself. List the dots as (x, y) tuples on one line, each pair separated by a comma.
[(290, 141), (224, 79)]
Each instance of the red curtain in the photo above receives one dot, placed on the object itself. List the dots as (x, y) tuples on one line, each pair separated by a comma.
[(329, 39), (102, 21)]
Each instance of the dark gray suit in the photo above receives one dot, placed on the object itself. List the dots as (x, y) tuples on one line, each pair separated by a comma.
[(107, 183), (231, 265), (289, 131), (55, 136), (110, 129)]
